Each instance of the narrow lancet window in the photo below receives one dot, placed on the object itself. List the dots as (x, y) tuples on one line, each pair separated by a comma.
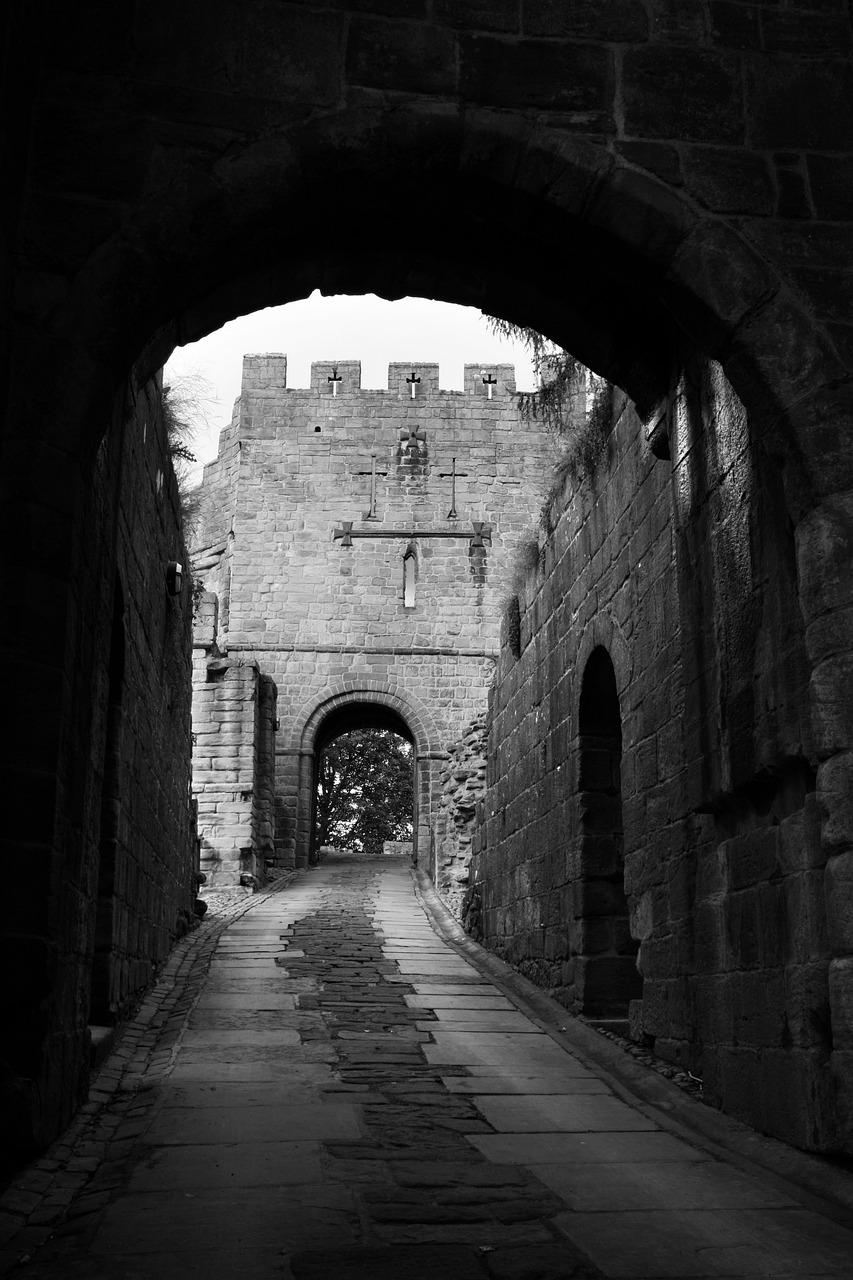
[(409, 566)]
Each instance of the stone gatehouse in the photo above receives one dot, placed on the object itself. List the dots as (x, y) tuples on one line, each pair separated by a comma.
[(357, 546)]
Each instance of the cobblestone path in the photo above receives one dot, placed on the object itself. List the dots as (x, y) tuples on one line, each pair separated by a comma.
[(346, 1095)]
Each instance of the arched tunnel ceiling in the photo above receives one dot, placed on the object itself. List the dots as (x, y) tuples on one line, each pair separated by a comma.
[(482, 248)]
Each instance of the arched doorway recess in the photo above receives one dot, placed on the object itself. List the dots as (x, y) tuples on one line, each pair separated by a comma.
[(608, 979)]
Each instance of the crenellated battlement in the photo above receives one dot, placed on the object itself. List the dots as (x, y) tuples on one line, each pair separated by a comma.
[(407, 380)]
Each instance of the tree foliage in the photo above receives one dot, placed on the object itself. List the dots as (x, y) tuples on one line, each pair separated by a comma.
[(364, 791), (571, 400), (184, 405), (561, 377)]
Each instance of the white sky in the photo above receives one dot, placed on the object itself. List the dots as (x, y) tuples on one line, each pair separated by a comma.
[(368, 329)]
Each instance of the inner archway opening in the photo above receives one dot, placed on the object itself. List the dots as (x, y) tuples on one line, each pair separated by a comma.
[(363, 799)]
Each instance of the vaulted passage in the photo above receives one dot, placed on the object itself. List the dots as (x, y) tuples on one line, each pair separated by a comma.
[(667, 194)]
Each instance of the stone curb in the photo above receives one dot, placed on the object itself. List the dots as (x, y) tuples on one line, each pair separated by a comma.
[(817, 1184), (38, 1199)]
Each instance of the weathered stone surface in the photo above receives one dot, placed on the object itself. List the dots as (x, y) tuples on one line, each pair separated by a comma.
[(331, 625), (705, 83), (734, 920)]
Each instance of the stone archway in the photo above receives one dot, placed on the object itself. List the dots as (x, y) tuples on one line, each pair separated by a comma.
[(620, 266), (359, 703), (213, 170)]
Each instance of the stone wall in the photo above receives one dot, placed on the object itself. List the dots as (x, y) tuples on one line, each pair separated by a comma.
[(379, 593), (668, 822), (463, 781), (234, 718), (233, 768), (128, 864)]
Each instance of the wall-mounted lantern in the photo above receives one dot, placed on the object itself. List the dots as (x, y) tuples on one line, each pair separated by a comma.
[(174, 577)]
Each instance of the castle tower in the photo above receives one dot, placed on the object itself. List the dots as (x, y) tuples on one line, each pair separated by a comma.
[(361, 546)]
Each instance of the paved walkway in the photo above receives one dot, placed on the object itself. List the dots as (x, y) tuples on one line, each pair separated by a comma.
[(346, 1095)]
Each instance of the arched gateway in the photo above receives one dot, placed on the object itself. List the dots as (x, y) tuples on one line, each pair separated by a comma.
[(368, 706)]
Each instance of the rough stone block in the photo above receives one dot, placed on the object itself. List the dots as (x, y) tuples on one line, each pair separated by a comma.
[(624, 20), (838, 887), (384, 54), (832, 704), (800, 105), (729, 180), (797, 1099), (840, 981), (799, 840), (841, 1070), (835, 800), (694, 95), (574, 79)]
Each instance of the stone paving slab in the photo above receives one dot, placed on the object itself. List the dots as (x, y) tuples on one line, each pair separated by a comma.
[(278, 1054), (548, 1113), (223, 1038), (447, 987), (427, 968), (430, 1262), (451, 982), (251, 945), (324, 1120), (448, 1002), (258, 1068), (274, 985), (513, 1053), (485, 1234), (153, 1222), (708, 1184), (684, 1243), (301, 1085), (557, 1082), (479, 1020), (257, 1001), (586, 1148), (188, 1168), (237, 1262), (251, 1021)]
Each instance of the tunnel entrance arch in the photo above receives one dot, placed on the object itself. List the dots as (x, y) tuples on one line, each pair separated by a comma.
[(619, 265)]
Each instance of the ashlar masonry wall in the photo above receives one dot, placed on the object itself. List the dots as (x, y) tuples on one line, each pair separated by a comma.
[(145, 885), (234, 715), (674, 579), (122, 887), (360, 543)]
